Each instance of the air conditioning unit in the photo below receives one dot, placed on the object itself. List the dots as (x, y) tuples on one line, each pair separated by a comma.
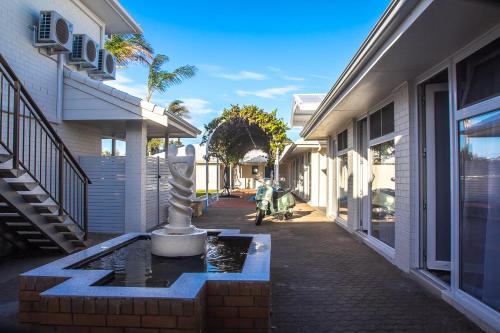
[(85, 52), (54, 32), (106, 67)]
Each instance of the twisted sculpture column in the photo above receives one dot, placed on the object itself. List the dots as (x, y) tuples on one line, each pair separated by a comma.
[(179, 238)]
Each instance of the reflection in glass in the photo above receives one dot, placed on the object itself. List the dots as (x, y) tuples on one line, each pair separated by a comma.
[(383, 192), (343, 180), (480, 207)]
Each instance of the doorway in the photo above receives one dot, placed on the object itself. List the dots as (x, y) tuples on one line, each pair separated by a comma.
[(434, 111)]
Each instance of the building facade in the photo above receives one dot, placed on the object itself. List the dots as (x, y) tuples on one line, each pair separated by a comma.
[(412, 132), (83, 110)]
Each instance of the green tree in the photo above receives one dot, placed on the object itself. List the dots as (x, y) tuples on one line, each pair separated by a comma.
[(178, 108), (240, 129), (159, 79), (132, 48)]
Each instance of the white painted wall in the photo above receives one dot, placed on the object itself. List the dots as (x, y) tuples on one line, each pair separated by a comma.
[(37, 71), (212, 176)]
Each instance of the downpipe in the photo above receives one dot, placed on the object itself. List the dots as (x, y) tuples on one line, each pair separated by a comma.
[(60, 82)]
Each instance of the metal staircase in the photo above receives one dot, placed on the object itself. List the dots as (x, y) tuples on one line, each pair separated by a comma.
[(43, 189)]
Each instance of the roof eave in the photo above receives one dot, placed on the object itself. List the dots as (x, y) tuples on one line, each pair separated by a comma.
[(376, 38)]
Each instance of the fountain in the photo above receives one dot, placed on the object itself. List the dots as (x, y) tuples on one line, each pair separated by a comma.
[(177, 278), (179, 238)]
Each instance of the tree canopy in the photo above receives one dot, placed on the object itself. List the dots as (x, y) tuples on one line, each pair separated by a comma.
[(241, 129)]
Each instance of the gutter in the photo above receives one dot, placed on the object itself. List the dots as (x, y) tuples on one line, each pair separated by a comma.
[(120, 10), (379, 34)]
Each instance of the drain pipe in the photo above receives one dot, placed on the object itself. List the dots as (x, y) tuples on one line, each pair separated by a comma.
[(60, 80)]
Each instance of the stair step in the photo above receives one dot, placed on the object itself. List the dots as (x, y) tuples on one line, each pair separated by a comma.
[(4, 208), (23, 186), (39, 240), (11, 173), (4, 157), (70, 236), (11, 217), (35, 198), (55, 218), (31, 234), (62, 227), (46, 208), (21, 226), (78, 243), (50, 248)]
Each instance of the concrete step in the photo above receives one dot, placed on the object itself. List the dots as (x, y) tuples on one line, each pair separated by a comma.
[(45, 208), (4, 157), (55, 218), (63, 227), (23, 185), (31, 234), (70, 236), (35, 197), (11, 173), (11, 217), (20, 226), (4, 208)]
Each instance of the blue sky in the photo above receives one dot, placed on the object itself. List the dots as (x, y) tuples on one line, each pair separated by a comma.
[(249, 52)]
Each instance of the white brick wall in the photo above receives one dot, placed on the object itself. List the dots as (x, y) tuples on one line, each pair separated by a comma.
[(403, 201), (37, 71)]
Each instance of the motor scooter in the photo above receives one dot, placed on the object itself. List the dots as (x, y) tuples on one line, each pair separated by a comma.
[(273, 201)]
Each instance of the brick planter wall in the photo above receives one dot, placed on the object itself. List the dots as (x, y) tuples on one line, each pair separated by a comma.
[(238, 306), (221, 306)]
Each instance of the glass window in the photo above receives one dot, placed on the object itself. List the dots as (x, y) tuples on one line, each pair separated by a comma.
[(343, 186), (342, 141), (479, 139), (382, 121), (383, 192), (478, 76), (255, 169)]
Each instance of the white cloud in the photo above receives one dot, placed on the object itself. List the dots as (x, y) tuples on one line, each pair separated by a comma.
[(293, 78), (242, 75), (274, 69), (128, 85), (269, 92), (324, 77), (197, 106)]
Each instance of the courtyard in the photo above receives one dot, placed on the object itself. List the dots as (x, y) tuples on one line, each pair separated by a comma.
[(323, 279)]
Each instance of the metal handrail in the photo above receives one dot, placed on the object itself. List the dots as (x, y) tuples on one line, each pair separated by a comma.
[(62, 180)]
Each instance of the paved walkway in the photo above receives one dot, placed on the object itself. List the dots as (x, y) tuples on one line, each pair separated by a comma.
[(324, 280)]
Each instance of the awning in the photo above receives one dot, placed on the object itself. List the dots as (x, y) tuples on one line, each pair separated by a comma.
[(303, 107), (99, 105), (301, 146)]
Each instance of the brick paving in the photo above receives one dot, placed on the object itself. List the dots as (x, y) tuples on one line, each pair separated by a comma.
[(324, 280)]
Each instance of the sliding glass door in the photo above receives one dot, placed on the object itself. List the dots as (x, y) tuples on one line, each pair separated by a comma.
[(479, 169)]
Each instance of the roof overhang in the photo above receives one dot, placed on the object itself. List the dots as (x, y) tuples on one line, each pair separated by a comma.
[(410, 38), (116, 18), (99, 105), (301, 146), (303, 107)]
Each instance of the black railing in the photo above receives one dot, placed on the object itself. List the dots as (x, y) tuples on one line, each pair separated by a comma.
[(35, 146)]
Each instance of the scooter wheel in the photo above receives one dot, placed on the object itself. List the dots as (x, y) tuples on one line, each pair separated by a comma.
[(288, 215), (259, 216)]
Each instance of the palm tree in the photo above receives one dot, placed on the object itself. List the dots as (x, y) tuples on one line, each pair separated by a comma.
[(160, 80), (178, 108), (130, 48)]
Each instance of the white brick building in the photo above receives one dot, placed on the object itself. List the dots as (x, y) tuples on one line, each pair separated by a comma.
[(84, 111), (412, 132)]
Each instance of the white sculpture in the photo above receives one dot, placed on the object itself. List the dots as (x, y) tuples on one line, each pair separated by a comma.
[(179, 238)]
